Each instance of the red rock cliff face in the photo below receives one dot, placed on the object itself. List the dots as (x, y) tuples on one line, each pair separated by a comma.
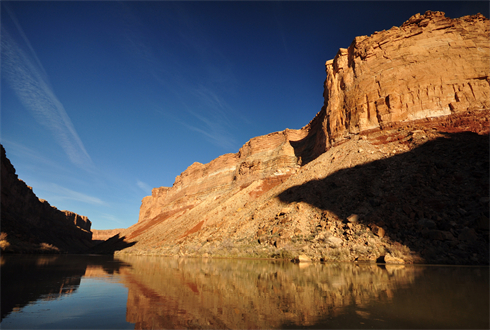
[(28, 221), (430, 66), (269, 156), (386, 94)]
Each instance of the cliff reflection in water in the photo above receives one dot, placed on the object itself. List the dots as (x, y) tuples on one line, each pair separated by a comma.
[(194, 293), (88, 292), (27, 279)]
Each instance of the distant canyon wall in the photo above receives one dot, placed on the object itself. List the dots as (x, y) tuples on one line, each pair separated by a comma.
[(104, 234), (270, 156), (29, 221)]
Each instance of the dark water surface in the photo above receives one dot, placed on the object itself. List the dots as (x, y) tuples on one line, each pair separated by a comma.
[(97, 292)]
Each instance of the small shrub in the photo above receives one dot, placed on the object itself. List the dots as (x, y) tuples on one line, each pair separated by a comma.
[(49, 248)]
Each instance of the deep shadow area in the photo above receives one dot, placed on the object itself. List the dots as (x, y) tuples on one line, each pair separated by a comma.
[(312, 145), (27, 278), (433, 199), (111, 245)]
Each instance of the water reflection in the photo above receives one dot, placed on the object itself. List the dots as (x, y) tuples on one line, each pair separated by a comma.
[(26, 279), (156, 292), (191, 293)]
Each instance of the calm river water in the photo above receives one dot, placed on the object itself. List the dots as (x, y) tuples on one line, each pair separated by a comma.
[(101, 292)]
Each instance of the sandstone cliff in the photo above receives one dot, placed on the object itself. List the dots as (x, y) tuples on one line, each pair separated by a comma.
[(396, 104), (430, 66), (30, 224), (104, 234)]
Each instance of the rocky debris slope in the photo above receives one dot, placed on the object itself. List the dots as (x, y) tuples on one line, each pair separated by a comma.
[(32, 225), (393, 168)]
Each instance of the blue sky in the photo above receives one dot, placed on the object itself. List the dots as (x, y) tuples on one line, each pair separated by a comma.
[(102, 101)]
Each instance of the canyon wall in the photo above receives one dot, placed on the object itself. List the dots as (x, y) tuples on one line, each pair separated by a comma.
[(386, 95), (431, 66), (30, 224)]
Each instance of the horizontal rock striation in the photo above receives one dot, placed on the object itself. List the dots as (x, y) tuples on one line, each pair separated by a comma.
[(104, 234), (403, 100), (30, 224), (262, 157)]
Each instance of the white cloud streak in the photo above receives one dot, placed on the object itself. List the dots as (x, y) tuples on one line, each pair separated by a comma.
[(13, 148), (27, 77), (144, 186), (111, 218), (208, 104), (62, 193)]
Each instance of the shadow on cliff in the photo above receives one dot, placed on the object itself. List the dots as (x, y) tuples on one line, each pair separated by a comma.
[(433, 199), (111, 245), (312, 145)]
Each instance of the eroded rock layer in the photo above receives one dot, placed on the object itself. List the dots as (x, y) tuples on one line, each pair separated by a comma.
[(269, 156), (397, 106), (30, 224)]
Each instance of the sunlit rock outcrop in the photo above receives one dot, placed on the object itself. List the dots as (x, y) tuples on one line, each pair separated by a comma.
[(430, 66), (269, 156)]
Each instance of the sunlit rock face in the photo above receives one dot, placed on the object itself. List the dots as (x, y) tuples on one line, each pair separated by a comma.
[(269, 156), (30, 224), (399, 100), (104, 234), (430, 66)]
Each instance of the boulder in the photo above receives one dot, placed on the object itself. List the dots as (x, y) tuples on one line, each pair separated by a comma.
[(302, 258)]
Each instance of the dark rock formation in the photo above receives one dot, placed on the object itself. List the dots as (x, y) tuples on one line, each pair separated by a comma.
[(31, 225)]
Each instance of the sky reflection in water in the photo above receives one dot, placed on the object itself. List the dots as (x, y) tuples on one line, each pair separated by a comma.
[(155, 292)]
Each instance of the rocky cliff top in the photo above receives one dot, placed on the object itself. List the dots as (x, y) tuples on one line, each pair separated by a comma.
[(431, 66)]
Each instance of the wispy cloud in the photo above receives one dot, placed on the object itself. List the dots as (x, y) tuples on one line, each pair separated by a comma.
[(111, 218), (33, 156), (61, 193), (205, 100), (218, 138), (144, 186), (27, 77), (280, 27)]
